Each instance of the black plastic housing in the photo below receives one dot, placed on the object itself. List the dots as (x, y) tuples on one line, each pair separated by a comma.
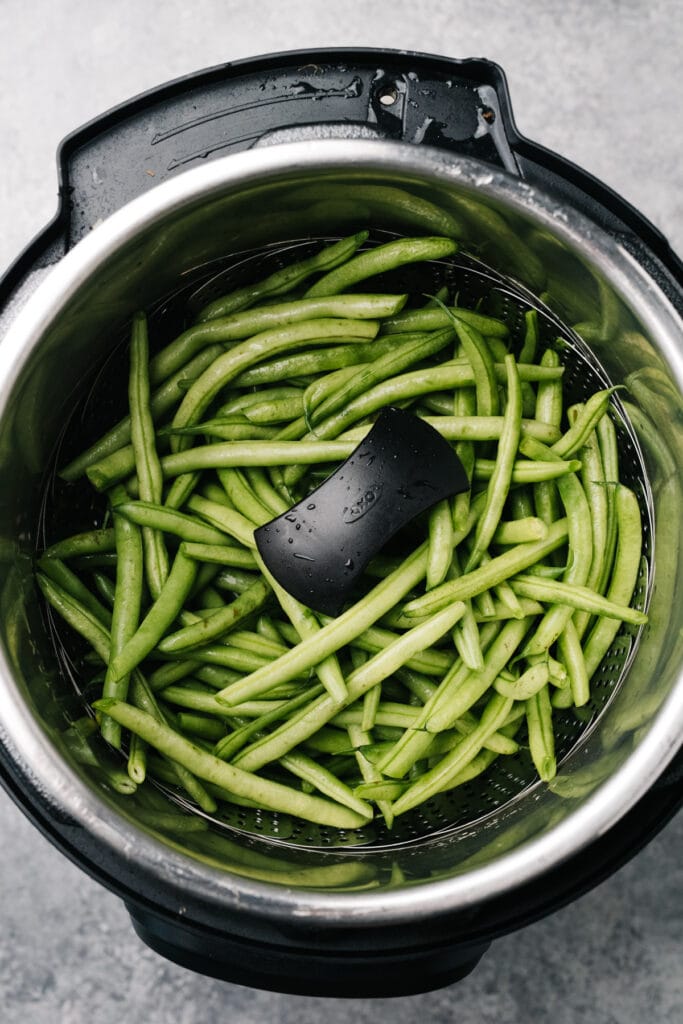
[(458, 105)]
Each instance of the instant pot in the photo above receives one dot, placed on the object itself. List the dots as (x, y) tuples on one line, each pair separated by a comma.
[(224, 169)]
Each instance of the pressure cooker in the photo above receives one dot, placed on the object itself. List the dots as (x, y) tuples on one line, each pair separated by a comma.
[(224, 169)]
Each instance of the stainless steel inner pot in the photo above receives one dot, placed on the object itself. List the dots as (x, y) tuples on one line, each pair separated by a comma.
[(292, 191)]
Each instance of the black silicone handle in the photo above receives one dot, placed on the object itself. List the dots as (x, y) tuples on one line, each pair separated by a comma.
[(319, 548), (457, 105)]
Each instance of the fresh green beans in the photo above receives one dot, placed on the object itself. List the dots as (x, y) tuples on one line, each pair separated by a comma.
[(461, 644)]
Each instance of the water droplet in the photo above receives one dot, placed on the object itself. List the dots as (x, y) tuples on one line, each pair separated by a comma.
[(305, 558), (290, 540), (310, 507), (348, 564), (298, 526)]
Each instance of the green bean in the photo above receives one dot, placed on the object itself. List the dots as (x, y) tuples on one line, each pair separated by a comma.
[(461, 691), (549, 406), (270, 795), (78, 617), (92, 542), (241, 496), (379, 260), (502, 567), (569, 646), (159, 617), (236, 580), (526, 685), (228, 657), (224, 519), (481, 361), (227, 748), (266, 627), (541, 738), (584, 425), (466, 632), (221, 554), (201, 725), (256, 642), (385, 366), (500, 612), (580, 544), (264, 491), (434, 317), (218, 624), (62, 575), (386, 713), (112, 469), (325, 782), (501, 476), (137, 754), (188, 696), (607, 441), (306, 722), (171, 673), (624, 575), (235, 427), (271, 342), (314, 362), (358, 738), (471, 428), (520, 531), (124, 622), (528, 472), (371, 700), (307, 627), (238, 326), (232, 454), (169, 521), (576, 596), (342, 630), (440, 543), (163, 399), (277, 410), (322, 387), (374, 639), (147, 465), (284, 279), (442, 774)]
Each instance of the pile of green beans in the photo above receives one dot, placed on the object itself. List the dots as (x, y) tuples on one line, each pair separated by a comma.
[(455, 653)]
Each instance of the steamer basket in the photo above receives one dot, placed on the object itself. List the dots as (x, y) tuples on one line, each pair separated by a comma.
[(260, 897)]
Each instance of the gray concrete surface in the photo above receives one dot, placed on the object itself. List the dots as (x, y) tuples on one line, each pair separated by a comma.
[(598, 82)]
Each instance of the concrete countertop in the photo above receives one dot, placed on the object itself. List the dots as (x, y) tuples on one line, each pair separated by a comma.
[(598, 83)]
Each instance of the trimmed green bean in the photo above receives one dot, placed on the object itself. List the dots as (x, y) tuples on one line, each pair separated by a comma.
[(539, 719), (285, 279), (62, 575), (502, 567), (159, 617), (238, 326), (219, 623), (270, 795), (624, 575), (380, 260), (147, 465), (501, 476), (267, 343)]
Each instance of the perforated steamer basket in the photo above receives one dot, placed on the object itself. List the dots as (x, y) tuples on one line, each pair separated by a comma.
[(259, 897)]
